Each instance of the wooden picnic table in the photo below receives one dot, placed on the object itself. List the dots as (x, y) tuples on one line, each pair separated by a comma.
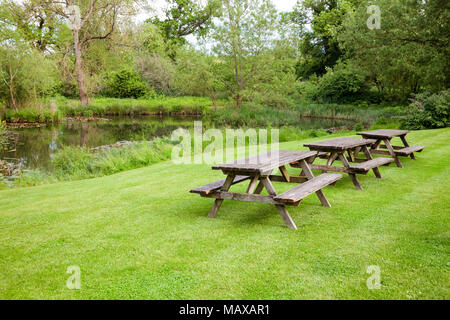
[(335, 149), (259, 170), (386, 135)]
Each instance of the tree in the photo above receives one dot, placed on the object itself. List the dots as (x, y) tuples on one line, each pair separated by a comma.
[(195, 75), (35, 24), (24, 75), (317, 21), (245, 32), (410, 51), (183, 18), (90, 20)]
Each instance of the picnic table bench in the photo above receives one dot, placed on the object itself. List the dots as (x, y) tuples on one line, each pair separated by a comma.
[(259, 171), (386, 135), (336, 149)]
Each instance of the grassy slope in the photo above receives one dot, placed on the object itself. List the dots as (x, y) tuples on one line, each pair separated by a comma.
[(140, 234)]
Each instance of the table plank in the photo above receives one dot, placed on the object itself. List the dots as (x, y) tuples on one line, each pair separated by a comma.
[(265, 162), (339, 144), (383, 133)]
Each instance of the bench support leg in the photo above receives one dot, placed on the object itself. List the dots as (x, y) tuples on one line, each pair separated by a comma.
[(218, 202), (307, 170), (281, 208), (352, 175), (406, 144), (388, 144), (376, 171)]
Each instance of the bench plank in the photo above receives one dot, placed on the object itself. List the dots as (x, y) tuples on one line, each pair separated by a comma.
[(370, 164), (383, 133), (214, 186), (305, 189), (409, 150)]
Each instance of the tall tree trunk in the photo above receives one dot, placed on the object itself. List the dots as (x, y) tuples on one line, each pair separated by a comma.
[(79, 69)]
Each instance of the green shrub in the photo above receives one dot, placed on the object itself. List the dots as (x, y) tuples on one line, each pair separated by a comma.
[(340, 85), (381, 120), (125, 84), (428, 111), (359, 126)]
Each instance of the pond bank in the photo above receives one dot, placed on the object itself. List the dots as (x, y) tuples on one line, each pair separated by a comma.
[(55, 109), (37, 145)]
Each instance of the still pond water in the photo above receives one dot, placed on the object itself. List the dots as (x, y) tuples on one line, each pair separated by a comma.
[(36, 146)]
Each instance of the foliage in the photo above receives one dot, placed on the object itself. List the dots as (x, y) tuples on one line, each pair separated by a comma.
[(3, 133), (429, 111), (344, 83), (158, 71), (30, 114), (245, 32), (157, 105), (408, 53), (275, 86), (195, 75), (183, 18), (125, 84), (25, 75), (319, 47), (91, 20)]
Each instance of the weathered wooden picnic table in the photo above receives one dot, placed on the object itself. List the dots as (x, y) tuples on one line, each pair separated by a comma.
[(386, 135), (259, 170), (335, 149)]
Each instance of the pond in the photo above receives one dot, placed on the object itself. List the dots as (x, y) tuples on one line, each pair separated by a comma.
[(35, 146)]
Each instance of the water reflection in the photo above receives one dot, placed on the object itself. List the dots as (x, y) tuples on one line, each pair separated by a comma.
[(37, 145)]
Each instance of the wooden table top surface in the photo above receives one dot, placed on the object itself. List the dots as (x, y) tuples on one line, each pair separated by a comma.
[(384, 133), (339, 144), (265, 162)]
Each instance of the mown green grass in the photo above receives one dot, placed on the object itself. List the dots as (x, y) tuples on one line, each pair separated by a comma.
[(140, 234)]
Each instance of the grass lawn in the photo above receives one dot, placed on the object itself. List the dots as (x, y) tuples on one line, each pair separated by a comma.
[(140, 234)]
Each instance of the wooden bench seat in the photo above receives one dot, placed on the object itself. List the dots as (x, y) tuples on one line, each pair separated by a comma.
[(409, 150), (305, 189), (370, 164), (323, 155), (215, 186)]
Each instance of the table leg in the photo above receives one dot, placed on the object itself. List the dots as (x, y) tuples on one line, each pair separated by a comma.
[(376, 171), (259, 188), (406, 144), (281, 208), (351, 156), (218, 202), (310, 160), (252, 184), (309, 175), (388, 144), (376, 145), (352, 175)]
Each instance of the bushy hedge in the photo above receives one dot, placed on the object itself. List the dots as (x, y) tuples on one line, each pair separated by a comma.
[(342, 84), (125, 84), (428, 111)]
